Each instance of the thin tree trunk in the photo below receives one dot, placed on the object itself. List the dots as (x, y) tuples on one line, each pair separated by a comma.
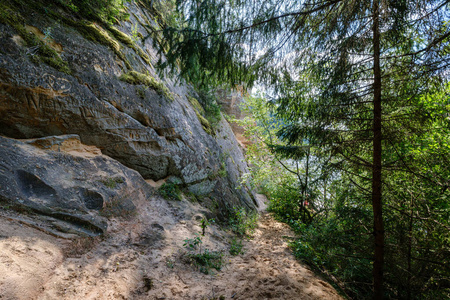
[(410, 238), (376, 167), (305, 188)]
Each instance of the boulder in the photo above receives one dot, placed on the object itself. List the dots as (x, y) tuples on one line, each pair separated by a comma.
[(71, 186)]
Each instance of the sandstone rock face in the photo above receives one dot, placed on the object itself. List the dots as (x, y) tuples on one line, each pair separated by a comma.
[(230, 101), (155, 133), (73, 185)]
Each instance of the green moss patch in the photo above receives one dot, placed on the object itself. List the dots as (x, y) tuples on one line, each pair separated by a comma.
[(200, 111), (194, 102), (127, 40), (112, 182), (205, 123), (134, 77), (40, 51), (96, 33)]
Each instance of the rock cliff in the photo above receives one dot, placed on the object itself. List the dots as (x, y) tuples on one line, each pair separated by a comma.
[(62, 74)]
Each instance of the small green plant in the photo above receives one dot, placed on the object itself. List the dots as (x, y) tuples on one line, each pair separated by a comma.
[(191, 244), (130, 42), (212, 109), (170, 191), (170, 262), (109, 11), (135, 33), (223, 170), (236, 246), (203, 259), (207, 110), (207, 260), (243, 223), (204, 224)]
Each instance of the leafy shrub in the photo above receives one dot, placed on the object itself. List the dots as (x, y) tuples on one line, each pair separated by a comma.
[(192, 244), (207, 260), (211, 108), (236, 246), (170, 191), (203, 259), (242, 223), (108, 11), (332, 246)]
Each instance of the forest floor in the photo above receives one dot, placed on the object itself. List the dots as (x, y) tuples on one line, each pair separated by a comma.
[(144, 258)]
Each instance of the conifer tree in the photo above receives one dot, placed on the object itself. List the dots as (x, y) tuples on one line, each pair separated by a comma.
[(348, 74)]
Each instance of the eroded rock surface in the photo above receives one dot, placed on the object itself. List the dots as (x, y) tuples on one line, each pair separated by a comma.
[(155, 133), (71, 186)]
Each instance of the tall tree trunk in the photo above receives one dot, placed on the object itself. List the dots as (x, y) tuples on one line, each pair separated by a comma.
[(410, 238), (376, 167)]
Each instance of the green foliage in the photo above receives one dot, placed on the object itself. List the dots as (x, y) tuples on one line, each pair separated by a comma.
[(193, 243), (136, 78), (207, 260), (205, 124), (107, 11), (203, 259), (204, 223), (211, 108), (40, 49), (113, 182), (241, 222), (349, 80), (236, 246), (89, 19), (130, 42), (285, 200), (207, 110), (96, 33), (223, 170), (196, 105), (340, 246), (170, 191)]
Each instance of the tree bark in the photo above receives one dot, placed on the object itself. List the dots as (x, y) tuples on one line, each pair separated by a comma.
[(378, 225), (410, 238)]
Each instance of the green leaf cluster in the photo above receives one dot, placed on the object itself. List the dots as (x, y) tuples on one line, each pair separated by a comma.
[(170, 191)]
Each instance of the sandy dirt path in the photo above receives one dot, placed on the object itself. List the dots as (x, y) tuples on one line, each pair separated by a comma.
[(268, 270), (144, 258)]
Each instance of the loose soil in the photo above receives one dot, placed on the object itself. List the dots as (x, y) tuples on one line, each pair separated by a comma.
[(144, 258)]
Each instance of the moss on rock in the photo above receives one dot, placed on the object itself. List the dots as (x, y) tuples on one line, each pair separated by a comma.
[(127, 40), (134, 77), (96, 33), (200, 111), (194, 102), (40, 50), (205, 123)]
